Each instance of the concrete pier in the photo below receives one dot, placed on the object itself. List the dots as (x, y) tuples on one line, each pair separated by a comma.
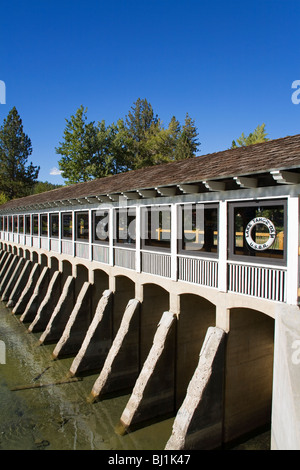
[(37, 296), (120, 369), (48, 304), (28, 290), (13, 280), (198, 423), (98, 338), (153, 393), (19, 284), (61, 314), (77, 324)]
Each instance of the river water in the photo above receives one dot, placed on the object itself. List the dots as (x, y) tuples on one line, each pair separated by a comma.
[(59, 416)]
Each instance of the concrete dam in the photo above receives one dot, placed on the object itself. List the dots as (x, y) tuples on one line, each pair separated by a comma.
[(183, 293)]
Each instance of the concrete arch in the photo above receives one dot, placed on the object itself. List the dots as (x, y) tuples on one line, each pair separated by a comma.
[(124, 291), (53, 263), (35, 257), (156, 301), (99, 285), (248, 373), (197, 314)]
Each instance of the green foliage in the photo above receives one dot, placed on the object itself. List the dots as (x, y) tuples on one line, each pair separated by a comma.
[(259, 135), (93, 151), (16, 177), (43, 186), (3, 198), (78, 148)]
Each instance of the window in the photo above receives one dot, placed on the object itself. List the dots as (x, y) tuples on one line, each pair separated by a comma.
[(10, 223), (21, 224), (198, 228), (125, 226), (82, 226), (66, 225), (258, 231), (101, 226), (15, 224), (54, 225), (44, 225), (156, 227), (35, 225), (27, 224)]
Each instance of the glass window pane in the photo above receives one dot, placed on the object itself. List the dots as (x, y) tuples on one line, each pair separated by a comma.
[(35, 224), (15, 222), (82, 226), (27, 224), (199, 228), (44, 224), (54, 225), (67, 225), (259, 231), (21, 224), (101, 226), (125, 226), (156, 231)]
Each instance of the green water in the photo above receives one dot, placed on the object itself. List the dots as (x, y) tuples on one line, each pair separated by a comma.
[(58, 417)]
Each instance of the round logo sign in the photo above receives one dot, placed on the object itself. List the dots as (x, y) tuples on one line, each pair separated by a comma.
[(272, 233)]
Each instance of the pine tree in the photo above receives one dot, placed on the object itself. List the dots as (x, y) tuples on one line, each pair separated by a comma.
[(187, 143), (259, 135), (17, 178), (78, 148)]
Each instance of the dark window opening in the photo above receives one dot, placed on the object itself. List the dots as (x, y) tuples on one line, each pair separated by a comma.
[(198, 229), (101, 226), (67, 225), (125, 226), (82, 226), (156, 227)]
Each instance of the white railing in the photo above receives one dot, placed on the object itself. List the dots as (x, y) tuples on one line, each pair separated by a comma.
[(124, 258), (67, 247), (54, 244), (259, 281), (156, 263), (100, 253), (82, 250), (264, 282), (198, 271)]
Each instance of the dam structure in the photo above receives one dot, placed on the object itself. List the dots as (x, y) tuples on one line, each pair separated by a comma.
[(178, 283)]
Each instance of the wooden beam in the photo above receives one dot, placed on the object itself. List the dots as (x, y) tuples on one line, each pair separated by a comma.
[(246, 182), (131, 194), (189, 188), (286, 177), (167, 190), (214, 185), (147, 193)]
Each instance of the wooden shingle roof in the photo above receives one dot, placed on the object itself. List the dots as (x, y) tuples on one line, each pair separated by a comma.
[(258, 159)]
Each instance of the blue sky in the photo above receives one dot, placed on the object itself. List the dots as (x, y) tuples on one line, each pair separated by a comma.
[(229, 64)]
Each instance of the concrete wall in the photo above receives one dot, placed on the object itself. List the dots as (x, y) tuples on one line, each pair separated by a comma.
[(248, 373), (286, 387)]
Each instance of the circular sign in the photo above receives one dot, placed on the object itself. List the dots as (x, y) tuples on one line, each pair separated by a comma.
[(272, 233)]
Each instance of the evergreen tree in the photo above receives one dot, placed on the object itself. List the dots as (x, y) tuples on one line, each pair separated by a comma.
[(187, 142), (141, 125), (17, 178), (259, 135), (78, 148)]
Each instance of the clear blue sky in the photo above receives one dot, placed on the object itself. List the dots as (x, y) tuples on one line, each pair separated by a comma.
[(229, 64)]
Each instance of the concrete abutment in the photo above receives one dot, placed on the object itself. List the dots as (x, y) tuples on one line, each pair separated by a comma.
[(150, 346)]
